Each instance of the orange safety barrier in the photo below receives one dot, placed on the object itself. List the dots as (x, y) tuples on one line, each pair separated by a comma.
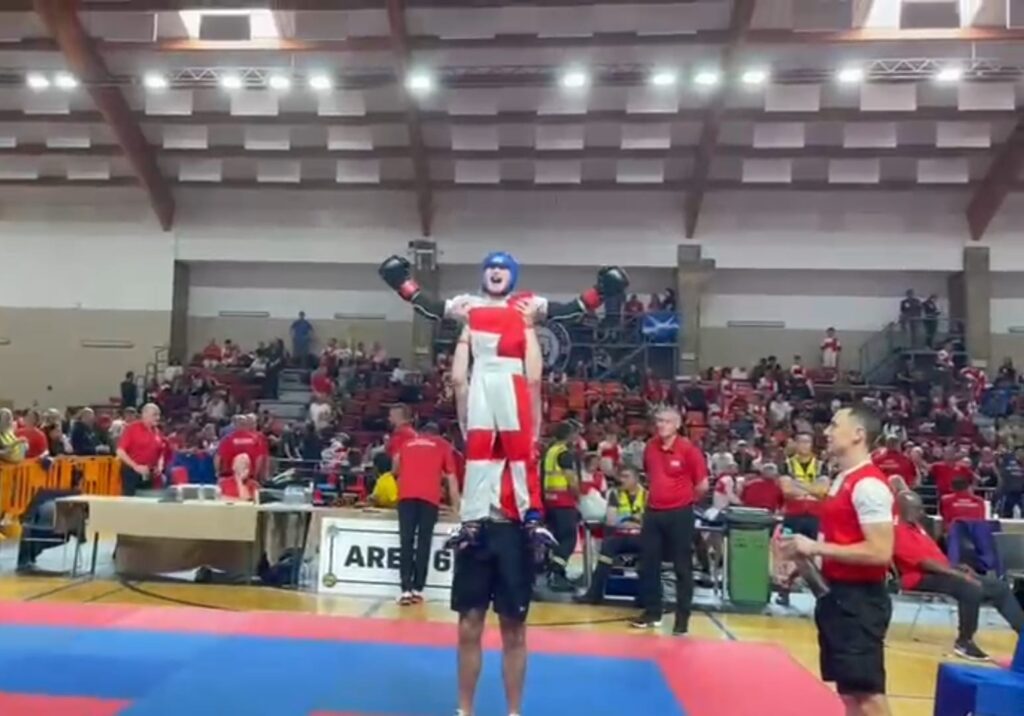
[(20, 483)]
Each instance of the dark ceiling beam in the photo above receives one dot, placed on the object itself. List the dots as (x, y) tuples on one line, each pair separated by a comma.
[(822, 152), (61, 19), (420, 163), (1002, 175), (171, 5), (739, 26)]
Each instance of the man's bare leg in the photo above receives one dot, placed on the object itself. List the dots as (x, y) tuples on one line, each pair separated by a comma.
[(513, 661), (866, 704), (471, 632)]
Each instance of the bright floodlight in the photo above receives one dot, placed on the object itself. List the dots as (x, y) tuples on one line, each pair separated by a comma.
[(37, 81), (281, 83), (707, 78), (664, 78), (574, 79), (154, 81), (320, 82), (65, 80), (754, 77), (231, 82), (850, 75), (419, 82), (950, 74)]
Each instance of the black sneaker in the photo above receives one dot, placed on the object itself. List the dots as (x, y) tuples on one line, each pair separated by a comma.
[(646, 622), (967, 649), (680, 631)]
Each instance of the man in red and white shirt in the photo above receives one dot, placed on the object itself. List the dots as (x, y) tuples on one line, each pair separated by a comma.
[(796, 371), (951, 467), (976, 381), (853, 614), (830, 349), (922, 566), (678, 475), (610, 452)]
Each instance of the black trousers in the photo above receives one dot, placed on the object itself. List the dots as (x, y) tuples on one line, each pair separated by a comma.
[(611, 547), (1009, 501), (131, 481), (667, 533), (564, 524), (970, 596), (416, 520)]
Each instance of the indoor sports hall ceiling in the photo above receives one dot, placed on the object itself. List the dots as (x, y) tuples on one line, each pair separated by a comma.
[(431, 95)]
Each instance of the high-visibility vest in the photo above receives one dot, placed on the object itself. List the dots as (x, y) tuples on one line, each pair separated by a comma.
[(806, 474), (632, 509), (556, 479)]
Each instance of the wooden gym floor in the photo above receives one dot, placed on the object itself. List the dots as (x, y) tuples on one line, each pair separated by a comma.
[(911, 663)]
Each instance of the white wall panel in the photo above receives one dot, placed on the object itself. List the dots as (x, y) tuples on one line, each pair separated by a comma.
[(1007, 313), (854, 313), (210, 301)]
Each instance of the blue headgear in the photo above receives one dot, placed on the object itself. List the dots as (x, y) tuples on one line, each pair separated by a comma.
[(502, 259)]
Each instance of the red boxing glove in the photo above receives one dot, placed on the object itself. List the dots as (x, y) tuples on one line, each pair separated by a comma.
[(408, 289), (591, 299)]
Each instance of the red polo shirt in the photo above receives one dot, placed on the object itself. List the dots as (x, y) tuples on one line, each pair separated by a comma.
[(142, 444), (673, 472), (912, 547), (37, 442), (399, 437), (961, 506), (248, 442), (944, 474), (762, 493), (893, 462), (422, 463)]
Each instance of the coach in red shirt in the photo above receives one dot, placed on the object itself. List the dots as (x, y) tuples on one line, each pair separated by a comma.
[(244, 439), (677, 474), (423, 463), (948, 470), (141, 451)]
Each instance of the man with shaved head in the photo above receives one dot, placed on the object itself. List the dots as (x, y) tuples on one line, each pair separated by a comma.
[(141, 450), (923, 566)]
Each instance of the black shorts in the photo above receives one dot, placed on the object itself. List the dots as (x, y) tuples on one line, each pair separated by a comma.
[(806, 525), (852, 621), (498, 571)]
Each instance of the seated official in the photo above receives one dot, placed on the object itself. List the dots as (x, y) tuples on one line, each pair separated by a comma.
[(923, 567), (38, 524), (626, 506), (960, 504), (240, 485), (385, 489)]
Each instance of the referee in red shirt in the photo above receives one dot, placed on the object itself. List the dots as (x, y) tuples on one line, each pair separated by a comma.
[(423, 462), (857, 530), (677, 475), (141, 451)]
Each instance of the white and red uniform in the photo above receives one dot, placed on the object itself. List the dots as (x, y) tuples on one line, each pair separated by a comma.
[(830, 348), (976, 380), (502, 476)]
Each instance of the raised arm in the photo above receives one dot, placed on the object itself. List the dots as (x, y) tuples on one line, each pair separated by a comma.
[(611, 281), (397, 273)]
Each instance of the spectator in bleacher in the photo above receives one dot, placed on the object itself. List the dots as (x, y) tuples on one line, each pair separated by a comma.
[(302, 339), (762, 491), (385, 487), (320, 382), (797, 373), (12, 448), (1010, 492), (1007, 375), (141, 451), (610, 452), (892, 461), (238, 483), (668, 301), (243, 440), (213, 354), (53, 426), (626, 506), (582, 370), (36, 443), (634, 306), (174, 371), (987, 469), (129, 391), (321, 412), (678, 477), (930, 319), (231, 354), (944, 473), (722, 461), (85, 440), (632, 379), (378, 355), (830, 349), (655, 303), (910, 316), (217, 408), (400, 418), (780, 411), (923, 567), (633, 453), (359, 352)]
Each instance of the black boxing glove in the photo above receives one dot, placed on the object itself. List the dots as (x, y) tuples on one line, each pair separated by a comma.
[(611, 281), (397, 273)]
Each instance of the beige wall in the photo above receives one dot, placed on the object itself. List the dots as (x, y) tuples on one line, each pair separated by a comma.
[(1007, 345), (744, 346), (45, 363), (396, 336)]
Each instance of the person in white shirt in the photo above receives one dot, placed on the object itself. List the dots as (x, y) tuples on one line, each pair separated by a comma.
[(830, 349), (779, 410), (722, 461), (320, 411)]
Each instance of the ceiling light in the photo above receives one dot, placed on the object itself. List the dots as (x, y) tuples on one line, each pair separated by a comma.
[(950, 74), (419, 82), (320, 82), (37, 81), (707, 78), (281, 83), (850, 75), (65, 80), (664, 78), (231, 82), (154, 81), (754, 77), (575, 79)]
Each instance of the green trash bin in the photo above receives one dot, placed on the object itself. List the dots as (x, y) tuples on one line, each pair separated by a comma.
[(749, 553)]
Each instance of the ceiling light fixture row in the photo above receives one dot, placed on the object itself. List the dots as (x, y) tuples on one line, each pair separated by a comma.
[(37, 81)]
